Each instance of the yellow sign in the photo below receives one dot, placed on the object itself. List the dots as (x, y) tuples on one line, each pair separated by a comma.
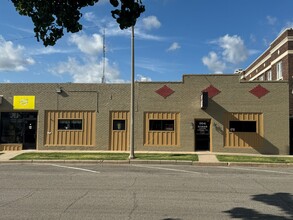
[(24, 102)]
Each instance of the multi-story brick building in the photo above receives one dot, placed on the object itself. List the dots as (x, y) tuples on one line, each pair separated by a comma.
[(240, 116), (276, 64)]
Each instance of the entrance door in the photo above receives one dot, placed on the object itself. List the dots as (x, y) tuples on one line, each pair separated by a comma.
[(29, 137), (202, 134)]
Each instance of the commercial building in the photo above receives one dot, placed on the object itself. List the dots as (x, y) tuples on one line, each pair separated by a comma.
[(217, 113)]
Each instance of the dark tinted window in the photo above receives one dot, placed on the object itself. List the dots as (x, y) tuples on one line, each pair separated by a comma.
[(161, 125), (242, 126), (118, 125), (69, 124)]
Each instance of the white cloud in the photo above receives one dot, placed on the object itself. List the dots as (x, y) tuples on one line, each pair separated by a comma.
[(90, 16), (12, 57), (232, 52), (271, 20), (49, 51), (113, 30), (91, 45), (213, 63), (174, 46), (234, 49), (151, 22), (90, 71), (142, 78)]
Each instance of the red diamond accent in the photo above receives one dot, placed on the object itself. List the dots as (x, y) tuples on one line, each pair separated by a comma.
[(259, 91), (165, 91), (212, 91)]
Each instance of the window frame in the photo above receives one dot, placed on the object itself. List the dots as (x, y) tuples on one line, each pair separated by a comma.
[(70, 121), (279, 70)]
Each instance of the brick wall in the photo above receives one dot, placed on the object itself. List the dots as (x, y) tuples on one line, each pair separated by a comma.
[(104, 98)]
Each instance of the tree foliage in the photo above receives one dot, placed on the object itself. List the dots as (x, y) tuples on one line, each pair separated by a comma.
[(52, 17)]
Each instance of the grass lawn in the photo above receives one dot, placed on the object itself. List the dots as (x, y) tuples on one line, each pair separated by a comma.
[(71, 156), (190, 157), (231, 158), (102, 156)]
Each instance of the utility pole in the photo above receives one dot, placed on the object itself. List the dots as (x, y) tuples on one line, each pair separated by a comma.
[(131, 155), (104, 56)]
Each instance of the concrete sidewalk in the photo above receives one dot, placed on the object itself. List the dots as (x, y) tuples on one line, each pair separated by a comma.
[(207, 157), (7, 155)]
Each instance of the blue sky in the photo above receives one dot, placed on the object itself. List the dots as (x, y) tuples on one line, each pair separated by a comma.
[(172, 38)]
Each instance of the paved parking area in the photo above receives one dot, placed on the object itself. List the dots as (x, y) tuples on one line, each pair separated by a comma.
[(144, 191)]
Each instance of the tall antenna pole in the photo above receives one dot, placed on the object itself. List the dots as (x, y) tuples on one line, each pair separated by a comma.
[(104, 56)]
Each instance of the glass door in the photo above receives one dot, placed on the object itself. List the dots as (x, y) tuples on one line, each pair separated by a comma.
[(202, 134)]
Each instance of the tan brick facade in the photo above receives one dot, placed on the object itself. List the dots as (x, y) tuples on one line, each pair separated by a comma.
[(184, 102)]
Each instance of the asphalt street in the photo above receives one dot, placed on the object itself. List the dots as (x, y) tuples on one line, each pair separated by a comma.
[(144, 191)]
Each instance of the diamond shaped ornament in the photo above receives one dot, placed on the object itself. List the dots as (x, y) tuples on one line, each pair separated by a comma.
[(165, 91), (212, 91), (259, 91)]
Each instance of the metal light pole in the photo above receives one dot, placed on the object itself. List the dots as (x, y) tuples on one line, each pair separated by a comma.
[(131, 155)]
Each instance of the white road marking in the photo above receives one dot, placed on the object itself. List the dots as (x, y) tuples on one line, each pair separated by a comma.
[(74, 168), (169, 169), (258, 170)]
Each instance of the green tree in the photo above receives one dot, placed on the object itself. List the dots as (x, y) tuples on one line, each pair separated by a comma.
[(52, 17)]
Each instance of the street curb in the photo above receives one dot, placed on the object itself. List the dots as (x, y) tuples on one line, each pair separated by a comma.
[(248, 164), (196, 163), (161, 162)]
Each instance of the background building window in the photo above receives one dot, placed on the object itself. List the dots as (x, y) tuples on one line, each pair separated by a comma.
[(161, 125), (242, 126), (261, 78), (70, 124), (279, 71), (269, 75)]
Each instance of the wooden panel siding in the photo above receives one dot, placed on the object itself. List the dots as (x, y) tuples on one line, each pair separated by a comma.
[(165, 137), (83, 137), (119, 138), (244, 139)]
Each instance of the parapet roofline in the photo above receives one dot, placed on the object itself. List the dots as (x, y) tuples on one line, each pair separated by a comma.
[(285, 30)]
